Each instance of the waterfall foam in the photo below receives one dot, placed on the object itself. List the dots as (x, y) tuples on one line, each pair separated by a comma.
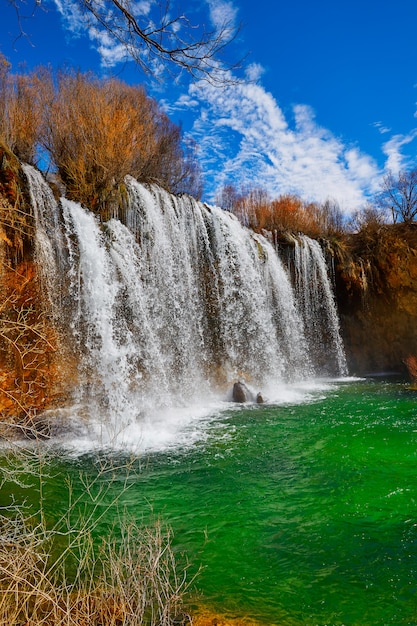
[(170, 307)]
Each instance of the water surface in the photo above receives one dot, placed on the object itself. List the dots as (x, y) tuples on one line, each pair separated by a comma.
[(299, 513)]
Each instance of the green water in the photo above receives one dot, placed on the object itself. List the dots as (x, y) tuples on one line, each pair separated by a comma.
[(300, 514)]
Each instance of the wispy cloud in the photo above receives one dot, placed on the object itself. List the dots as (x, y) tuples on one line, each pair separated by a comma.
[(222, 13), (73, 18), (381, 128), (246, 139), (396, 160), (80, 22), (254, 72), (110, 51)]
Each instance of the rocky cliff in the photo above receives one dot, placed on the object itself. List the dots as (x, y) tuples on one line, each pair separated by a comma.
[(30, 367), (376, 279)]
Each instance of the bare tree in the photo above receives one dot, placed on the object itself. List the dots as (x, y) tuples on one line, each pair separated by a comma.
[(228, 197), (151, 34), (369, 218), (398, 196)]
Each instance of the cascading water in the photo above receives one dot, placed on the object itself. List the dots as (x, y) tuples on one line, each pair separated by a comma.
[(315, 301), (173, 305), (48, 240)]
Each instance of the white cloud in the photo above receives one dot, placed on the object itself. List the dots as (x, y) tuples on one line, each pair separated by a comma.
[(109, 50), (244, 136), (246, 139), (185, 101), (142, 7), (396, 161), (222, 13), (381, 128), (73, 17), (80, 22), (253, 72)]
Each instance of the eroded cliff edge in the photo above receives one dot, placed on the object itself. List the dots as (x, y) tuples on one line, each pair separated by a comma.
[(376, 290), (31, 354)]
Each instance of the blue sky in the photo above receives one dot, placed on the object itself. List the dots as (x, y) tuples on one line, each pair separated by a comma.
[(331, 104)]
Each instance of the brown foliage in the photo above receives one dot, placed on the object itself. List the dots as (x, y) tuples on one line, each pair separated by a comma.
[(20, 112), (16, 219), (94, 133), (287, 213), (27, 345), (97, 132), (26, 340), (368, 220)]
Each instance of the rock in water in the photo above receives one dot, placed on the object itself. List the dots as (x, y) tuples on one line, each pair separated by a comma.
[(240, 392)]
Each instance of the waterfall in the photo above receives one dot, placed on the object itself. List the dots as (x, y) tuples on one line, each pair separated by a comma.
[(176, 302), (48, 236), (315, 301)]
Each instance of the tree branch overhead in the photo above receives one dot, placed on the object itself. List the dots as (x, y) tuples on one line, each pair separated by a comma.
[(157, 39)]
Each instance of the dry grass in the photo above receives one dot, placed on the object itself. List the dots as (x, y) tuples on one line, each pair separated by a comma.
[(63, 576), (133, 581)]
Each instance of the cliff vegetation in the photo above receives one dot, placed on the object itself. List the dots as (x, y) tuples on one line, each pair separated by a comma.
[(377, 298)]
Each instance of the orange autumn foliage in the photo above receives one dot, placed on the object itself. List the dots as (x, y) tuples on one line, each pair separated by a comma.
[(20, 112), (93, 133), (287, 213), (100, 131)]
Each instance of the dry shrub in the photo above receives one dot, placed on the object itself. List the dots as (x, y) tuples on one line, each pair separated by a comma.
[(16, 213), (93, 132), (61, 575), (28, 338), (16, 227), (28, 342), (21, 111), (287, 213), (97, 132), (368, 220)]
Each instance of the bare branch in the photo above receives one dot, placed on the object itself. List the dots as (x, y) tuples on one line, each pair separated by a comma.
[(157, 43), (398, 196), (20, 17)]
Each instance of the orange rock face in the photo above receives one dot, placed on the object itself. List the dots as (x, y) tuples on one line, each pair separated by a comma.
[(377, 296), (29, 370), (29, 363)]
